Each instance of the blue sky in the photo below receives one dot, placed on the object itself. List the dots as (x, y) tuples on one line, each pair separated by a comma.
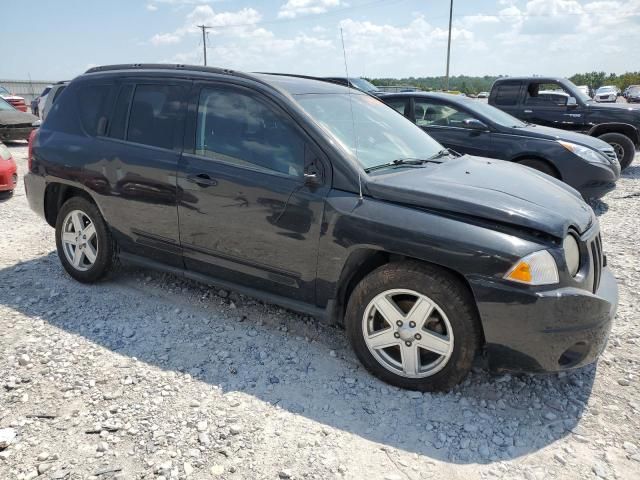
[(384, 38)]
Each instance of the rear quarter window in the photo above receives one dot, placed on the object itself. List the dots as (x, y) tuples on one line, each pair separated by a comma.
[(93, 103)]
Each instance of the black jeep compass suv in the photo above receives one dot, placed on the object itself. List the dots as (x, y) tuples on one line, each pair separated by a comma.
[(323, 199)]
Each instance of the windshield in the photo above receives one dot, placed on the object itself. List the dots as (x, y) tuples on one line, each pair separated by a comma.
[(4, 105), (577, 92), (606, 89), (4, 91), (382, 135), (494, 114), (363, 85)]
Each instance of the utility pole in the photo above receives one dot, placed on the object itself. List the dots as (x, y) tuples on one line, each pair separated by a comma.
[(204, 29), (446, 87)]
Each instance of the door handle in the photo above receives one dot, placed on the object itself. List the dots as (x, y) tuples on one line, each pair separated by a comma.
[(202, 179), (528, 111)]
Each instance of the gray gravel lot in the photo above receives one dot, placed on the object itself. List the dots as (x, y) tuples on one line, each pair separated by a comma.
[(151, 376)]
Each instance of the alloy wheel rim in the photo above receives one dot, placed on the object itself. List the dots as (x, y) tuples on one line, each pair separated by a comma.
[(407, 333), (79, 240)]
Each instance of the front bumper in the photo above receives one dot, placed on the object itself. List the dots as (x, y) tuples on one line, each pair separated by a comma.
[(10, 134), (545, 331), (595, 180)]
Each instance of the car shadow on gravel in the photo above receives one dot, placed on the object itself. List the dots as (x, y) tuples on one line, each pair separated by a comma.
[(304, 367)]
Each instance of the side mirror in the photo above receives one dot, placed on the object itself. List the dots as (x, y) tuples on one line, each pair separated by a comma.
[(572, 102), (474, 124)]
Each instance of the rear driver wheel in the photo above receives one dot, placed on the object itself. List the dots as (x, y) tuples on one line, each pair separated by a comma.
[(414, 326), (84, 243)]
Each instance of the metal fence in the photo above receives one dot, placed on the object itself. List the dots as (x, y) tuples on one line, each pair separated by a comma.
[(28, 89)]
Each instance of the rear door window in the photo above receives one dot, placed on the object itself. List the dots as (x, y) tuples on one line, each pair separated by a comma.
[(156, 115), (398, 104), (507, 93)]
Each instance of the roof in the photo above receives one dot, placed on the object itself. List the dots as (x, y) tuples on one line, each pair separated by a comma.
[(528, 79), (449, 97), (293, 84)]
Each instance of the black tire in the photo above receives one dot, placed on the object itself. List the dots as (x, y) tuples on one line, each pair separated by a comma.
[(451, 297), (623, 145), (105, 245), (540, 165)]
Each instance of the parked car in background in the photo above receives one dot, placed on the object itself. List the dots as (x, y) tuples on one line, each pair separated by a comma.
[(323, 199), (42, 98), (355, 82), (617, 124), (587, 164), (633, 94), (606, 94), (14, 124), (8, 171), (51, 98), (16, 101), (483, 95), (586, 89)]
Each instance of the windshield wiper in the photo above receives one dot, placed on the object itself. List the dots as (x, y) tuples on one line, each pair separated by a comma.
[(445, 152), (398, 162)]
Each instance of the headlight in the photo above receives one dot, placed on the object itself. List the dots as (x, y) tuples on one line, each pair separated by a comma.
[(571, 254), (589, 154), (538, 268), (36, 123)]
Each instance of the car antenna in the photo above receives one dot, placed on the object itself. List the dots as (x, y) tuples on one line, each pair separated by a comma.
[(353, 121)]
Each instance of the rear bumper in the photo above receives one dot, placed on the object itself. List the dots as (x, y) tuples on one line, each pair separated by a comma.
[(34, 187), (12, 134), (545, 331)]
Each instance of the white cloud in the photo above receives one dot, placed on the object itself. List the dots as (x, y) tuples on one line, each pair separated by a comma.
[(151, 7), (294, 8), (165, 39)]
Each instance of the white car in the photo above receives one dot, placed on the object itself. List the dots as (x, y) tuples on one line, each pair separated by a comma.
[(49, 99), (585, 89), (483, 95), (42, 99), (606, 94)]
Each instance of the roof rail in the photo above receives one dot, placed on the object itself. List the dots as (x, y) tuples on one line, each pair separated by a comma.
[(159, 66)]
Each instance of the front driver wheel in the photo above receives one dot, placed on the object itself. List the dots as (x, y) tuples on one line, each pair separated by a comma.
[(414, 326), (84, 243), (622, 145)]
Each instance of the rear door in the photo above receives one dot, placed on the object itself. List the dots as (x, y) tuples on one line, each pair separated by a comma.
[(447, 124), (140, 153), (507, 97), (247, 213)]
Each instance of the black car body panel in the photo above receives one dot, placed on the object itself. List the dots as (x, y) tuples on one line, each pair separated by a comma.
[(586, 116), (301, 243), (515, 143)]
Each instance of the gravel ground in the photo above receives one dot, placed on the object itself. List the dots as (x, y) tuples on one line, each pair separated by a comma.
[(151, 376)]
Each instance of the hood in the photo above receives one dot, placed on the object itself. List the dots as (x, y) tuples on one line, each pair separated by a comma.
[(16, 117), (490, 189), (550, 133), (615, 107)]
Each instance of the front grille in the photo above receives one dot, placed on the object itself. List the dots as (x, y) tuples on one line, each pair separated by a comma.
[(597, 260)]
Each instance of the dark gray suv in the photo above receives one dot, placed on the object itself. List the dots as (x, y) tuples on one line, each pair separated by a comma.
[(324, 200)]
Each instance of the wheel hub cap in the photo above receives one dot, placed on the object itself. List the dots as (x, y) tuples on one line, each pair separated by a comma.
[(79, 240)]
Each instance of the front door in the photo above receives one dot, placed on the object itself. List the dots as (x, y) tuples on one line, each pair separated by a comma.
[(547, 104), (247, 214), (449, 126)]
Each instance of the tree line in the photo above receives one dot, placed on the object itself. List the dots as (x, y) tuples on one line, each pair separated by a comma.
[(474, 85)]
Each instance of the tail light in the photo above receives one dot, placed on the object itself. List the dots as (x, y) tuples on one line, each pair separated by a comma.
[(32, 139)]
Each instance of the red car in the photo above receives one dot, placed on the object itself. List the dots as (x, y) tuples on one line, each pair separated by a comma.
[(17, 102), (8, 170)]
